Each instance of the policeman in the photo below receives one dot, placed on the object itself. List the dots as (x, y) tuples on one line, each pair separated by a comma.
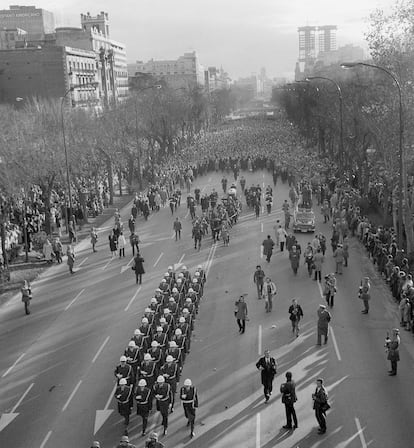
[(124, 371), (132, 354), (123, 395), (162, 394), (169, 371), (147, 370), (144, 403), (189, 399)]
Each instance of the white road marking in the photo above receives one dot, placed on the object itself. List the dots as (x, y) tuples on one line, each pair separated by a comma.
[(133, 298), (181, 259), (13, 365), (83, 261), (71, 396), (262, 209), (258, 430), (173, 236), (209, 179), (360, 433), (110, 397), (263, 183), (261, 227), (261, 251), (320, 290), (338, 355), (107, 264), (259, 339), (158, 259), (43, 444), (74, 300), (21, 399), (100, 349), (210, 262), (186, 215)]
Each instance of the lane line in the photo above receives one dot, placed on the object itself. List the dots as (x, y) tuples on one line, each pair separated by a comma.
[(259, 339), (181, 259), (43, 444), (71, 396), (261, 251), (100, 349), (258, 430), (338, 355), (13, 365), (186, 215), (74, 300), (110, 397), (360, 433), (107, 264), (210, 262), (83, 261), (133, 298), (129, 262), (21, 399), (158, 259), (261, 227), (173, 236)]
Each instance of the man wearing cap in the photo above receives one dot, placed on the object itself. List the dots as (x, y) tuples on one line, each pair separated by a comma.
[(169, 371), (268, 368), (324, 317), (124, 370), (288, 391), (181, 342), (161, 338), (189, 399), (132, 355), (320, 401), (162, 394), (153, 442), (156, 355), (124, 396), (258, 279), (143, 399), (124, 443), (147, 370)]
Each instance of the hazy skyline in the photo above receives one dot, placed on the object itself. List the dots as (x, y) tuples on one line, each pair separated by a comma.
[(240, 35)]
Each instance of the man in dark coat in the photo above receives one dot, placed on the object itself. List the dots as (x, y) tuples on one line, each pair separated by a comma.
[(268, 368), (268, 245), (288, 391), (139, 267)]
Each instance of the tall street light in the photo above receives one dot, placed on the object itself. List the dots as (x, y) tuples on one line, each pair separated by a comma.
[(402, 178), (71, 89), (341, 120), (155, 86)]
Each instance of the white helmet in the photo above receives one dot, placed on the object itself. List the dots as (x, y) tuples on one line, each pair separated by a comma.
[(147, 357), (178, 332), (185, 311), (188, 300), (163, 320), (173, 344), (179, 281), (131, 344), (160, 379), (154, 344), (184, 268), (142, 383), (144, 320), (137, 332), (166, 310), (147, 310), (174, 290), (159, 328), (197, 274), (153, 300), (188, 382), (180, 275), (123, 358), (163, 280), (171, 299), (181, 320), (169, 358), (170, 268), (167, 274), (190, 290), (195, 280), (158, 290), (122, 382)]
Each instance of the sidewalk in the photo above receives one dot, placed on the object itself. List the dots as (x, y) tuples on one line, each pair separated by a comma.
[(21, 271)]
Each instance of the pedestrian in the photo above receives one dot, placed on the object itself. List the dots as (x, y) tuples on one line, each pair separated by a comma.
[(177, 226), (282, 234), (393, 350), (345, 248), (134, 241), (143, 399), (113, 242), (288, 391), (131, 224), (162, 394), (320, 405), (258, 278), (268, 245), (94, 238), (70, 253), (268, 369), (124, 397), (294, 257), (364, 294), (339, 259), (26, 296), (124, 443), (138, 268), (48, 251), (153, 442), (189, 399), (58, 249), (257, 208), (295, 315), (121, 245), (240, 313), (329, 289), (318, 261), (324, 317), (270, 291), (72, 232)]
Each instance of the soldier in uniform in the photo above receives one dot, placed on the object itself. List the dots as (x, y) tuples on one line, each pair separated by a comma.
[(146, 330), (185, 330), (189, 399), (144, 403), (156, 355), (123, 395), (175, 352), (124, 371), (169, 319), (155, 307), (147, 370), (181, 342), (132, 354), (169, 371), (161, 338), (173, 306), (162, 394), (139, 340)]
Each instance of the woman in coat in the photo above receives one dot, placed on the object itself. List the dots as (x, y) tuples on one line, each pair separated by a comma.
[(138, 268), (240, 314), (113, 242), (393, 349)]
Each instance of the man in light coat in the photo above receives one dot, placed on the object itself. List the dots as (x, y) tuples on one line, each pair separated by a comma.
[(270, 291), (339, 259), (282, 234)]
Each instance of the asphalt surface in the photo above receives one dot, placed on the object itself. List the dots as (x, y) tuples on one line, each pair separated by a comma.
[(56, 365)]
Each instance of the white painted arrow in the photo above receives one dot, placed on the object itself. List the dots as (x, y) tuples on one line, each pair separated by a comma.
[(124, 268), (5, 419), (102, 415)]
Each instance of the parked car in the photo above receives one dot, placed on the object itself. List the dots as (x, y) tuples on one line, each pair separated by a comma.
[(304, 220)]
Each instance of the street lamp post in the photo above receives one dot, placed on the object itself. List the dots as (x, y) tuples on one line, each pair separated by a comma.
[(402, 179), (341, 117), (71, 89)]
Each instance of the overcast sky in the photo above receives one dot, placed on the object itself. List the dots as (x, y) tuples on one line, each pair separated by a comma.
[(240, 35)]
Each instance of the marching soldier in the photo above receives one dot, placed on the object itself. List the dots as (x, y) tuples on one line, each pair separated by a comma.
[(162, 394), (139, 340), (147, 370), (124, 397), (155, 307), (175, 295), (144, 403), (181, 342), (155, 353), (169, 371), (169, 319), (161, 338), (124, 371), (175, 352), (187, 275), (132, 354), (173, 306), (188, 318), (146, 330), (190, 306), (149, 314), (189, 399), (164, 325), (171, 273), (185, 330)]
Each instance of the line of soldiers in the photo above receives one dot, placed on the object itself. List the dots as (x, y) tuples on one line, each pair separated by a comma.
[(151, 365)]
